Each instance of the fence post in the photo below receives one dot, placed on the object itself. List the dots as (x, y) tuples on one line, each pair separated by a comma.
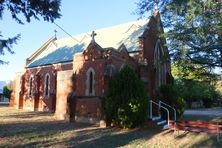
[(218, 132)]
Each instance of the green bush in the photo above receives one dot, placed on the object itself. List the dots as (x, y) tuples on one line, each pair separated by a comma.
[(170, 94), (7, 91), (192, 90), (126, 102)]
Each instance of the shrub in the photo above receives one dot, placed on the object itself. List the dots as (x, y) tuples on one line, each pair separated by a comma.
[(198, 90), (126, 102), (170, 94), (7, 91)]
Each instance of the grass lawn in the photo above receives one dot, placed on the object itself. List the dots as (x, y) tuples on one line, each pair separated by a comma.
[(20, 128)]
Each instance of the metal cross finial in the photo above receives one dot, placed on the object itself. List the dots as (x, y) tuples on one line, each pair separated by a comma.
[(155, 5), (55, 31), (93, 35)]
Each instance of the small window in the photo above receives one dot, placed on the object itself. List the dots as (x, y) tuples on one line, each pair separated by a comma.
[(30, 85), (91, 83), (47, 85)]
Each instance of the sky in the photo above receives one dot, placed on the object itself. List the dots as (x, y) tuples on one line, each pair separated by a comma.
[(78, 16)]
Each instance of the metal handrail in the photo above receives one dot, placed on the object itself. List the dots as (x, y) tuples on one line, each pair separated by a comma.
[(175, 114), (159, 105)]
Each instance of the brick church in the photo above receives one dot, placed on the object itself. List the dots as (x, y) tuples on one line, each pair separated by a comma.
[(81, 66)]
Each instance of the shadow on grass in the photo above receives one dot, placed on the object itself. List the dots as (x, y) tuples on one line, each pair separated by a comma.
[(184, 134), (42, 128), (27, 129), (209, 142), (107, 137), (43, 131), (29, 115)]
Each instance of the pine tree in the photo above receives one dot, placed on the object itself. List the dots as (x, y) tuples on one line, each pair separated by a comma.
[(126, 102), (48, 10), (194, 29)]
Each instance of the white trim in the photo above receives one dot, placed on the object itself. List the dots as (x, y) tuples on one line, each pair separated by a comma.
[(46, 96), (87, 83)]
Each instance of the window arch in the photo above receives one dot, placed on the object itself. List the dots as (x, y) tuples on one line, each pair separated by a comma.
[(47, 85), (160, 64), (90, 82), (30, 91)]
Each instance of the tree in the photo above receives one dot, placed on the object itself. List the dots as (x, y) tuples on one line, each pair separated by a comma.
[(7, 90), (194, 29), (126, 102), (189, 71), (47, 9), (171, 94)]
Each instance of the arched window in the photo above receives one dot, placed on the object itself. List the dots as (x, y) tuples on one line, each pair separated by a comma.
[(160, 65), (47, 85), (90, 81), (30, 85)]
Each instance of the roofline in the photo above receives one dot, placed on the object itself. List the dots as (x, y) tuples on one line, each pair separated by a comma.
[(49, 64), (37, 52)]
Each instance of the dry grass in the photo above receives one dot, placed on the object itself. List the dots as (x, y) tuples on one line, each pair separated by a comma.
[(20, 128)]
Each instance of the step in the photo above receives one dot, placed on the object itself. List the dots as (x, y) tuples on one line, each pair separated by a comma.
[(161, 122), (166, 126), (155, 118)]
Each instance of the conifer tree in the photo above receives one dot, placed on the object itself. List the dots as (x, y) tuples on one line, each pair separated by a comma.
[(194, 30), (46, 9)]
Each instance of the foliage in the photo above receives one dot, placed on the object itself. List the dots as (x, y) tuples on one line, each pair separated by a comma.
[(7, 90), (219, 88), (191, 71), (197, 84), (194, 29), (126, 102), (170, 94), (48, 10), (198, 90)]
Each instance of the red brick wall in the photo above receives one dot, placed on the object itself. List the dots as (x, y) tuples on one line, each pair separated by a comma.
[(88, 107), (93, 58), (148, 43), (64, 88), (44, 103), (148, 52)]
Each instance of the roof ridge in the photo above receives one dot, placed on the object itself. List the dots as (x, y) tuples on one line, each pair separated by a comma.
[(112, 36), (104, 28), (39, 50)]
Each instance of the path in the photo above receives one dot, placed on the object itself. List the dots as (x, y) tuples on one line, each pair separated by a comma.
[(208, 111)]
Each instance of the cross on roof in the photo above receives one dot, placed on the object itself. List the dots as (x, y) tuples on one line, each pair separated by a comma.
[(156, 5), (55, 31), (93, 35)]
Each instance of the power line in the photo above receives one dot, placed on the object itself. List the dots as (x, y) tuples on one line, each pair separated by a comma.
[(65, 32)]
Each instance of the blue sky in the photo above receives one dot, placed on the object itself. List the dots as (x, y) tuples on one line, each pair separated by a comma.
[(77, 17)]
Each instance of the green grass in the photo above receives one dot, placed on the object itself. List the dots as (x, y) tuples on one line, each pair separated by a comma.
[(20, 128)]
